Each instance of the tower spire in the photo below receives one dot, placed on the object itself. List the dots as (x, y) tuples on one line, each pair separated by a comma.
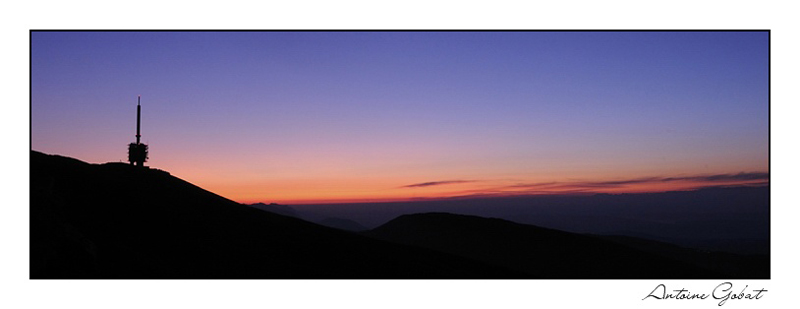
[(137, 152), (138, 118)]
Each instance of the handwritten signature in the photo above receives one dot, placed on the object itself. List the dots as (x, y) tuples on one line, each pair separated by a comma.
[(723, 292)]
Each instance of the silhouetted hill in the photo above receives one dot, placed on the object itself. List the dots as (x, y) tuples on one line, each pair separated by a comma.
[(541, 252), (117, 221), (741, 266), (342, 224), (734, 219), (337, 223), (276, 208)]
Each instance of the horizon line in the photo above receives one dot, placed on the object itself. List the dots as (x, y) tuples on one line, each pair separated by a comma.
[(580, 188), (494, 196)]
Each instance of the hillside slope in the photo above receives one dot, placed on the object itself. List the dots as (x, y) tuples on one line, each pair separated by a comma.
[(117, 221), (541, 252)]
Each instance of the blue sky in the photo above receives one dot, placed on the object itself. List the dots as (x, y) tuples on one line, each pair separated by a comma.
[(242, 111)]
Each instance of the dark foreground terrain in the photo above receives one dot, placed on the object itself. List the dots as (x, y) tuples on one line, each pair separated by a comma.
[(117, 221), (727, 219)]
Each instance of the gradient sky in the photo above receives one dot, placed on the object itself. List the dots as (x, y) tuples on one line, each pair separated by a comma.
[(300, 117)]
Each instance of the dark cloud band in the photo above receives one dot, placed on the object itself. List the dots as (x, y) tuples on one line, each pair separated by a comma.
[(436, 183)]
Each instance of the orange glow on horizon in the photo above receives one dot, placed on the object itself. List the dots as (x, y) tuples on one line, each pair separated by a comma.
[(479, 189)]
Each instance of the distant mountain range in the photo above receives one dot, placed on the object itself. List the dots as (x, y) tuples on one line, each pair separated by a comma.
[(548, 253), (117, 221), (734, 219), (338, 223)]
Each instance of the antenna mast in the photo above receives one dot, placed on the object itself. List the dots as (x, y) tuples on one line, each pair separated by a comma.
[(137, 152), (138, 118)]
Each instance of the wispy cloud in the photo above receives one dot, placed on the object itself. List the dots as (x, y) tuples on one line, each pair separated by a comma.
[(584, 187), (722, 177), (532, 185), (436, 183), (616, 183), (745, 177)]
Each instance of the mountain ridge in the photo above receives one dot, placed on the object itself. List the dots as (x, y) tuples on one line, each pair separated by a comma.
[(543, 252), (734, 219), (118, 221)]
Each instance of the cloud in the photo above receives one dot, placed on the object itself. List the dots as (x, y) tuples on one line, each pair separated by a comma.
[(569, 187), (436, 183), (699, 178), (617, 183), (722, 177), (531, 185), (581, 187), (579, 184)]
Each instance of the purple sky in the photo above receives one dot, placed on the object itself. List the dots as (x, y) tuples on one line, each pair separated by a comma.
[(293, 116)]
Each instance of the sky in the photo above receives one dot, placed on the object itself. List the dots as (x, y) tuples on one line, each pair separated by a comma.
[(310, 117)]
